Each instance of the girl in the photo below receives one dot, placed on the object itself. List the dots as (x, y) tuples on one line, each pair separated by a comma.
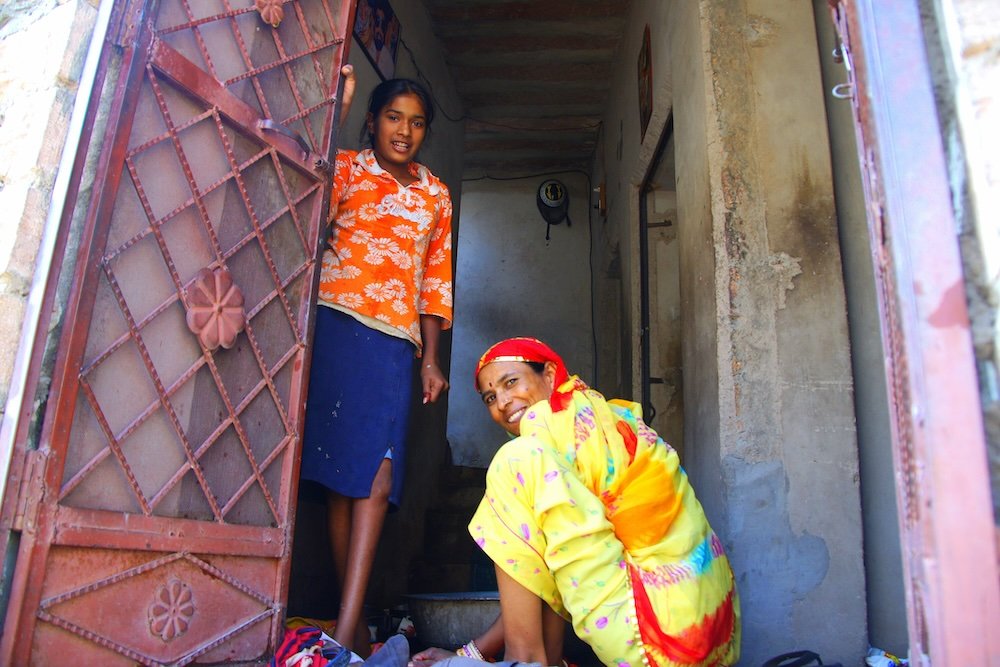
[(385, 296)]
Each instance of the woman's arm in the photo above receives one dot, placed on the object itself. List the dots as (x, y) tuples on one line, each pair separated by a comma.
[(489, 644), (525, 628), (431, 377)]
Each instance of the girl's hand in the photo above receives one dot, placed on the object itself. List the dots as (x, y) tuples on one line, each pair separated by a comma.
[(429, 657), (433, 381), (350, 83)]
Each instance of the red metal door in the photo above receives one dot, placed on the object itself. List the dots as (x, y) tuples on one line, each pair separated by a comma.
[(939, 450), (158, 505)]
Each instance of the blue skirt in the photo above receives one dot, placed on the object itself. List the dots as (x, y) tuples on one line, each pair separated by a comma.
[(358, 407)]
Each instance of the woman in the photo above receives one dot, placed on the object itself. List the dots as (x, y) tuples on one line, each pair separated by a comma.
[(588, 516), (385, 294)]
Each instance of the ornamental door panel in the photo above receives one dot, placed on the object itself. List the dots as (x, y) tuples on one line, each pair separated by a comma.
[(158, 507)]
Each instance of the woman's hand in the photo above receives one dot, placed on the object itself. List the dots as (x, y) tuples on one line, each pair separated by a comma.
[(433, 381), (429, 657), (350, 83)]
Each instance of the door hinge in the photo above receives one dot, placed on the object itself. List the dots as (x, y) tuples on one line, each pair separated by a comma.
[(31, 490), (126, 18)]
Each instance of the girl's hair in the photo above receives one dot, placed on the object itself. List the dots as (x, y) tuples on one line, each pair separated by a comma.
[(389, 90)]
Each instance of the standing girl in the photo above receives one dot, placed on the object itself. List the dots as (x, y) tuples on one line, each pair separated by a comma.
[(385, 296)]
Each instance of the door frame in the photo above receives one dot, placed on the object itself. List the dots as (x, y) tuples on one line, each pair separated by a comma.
[(947, 533), (645, 344)]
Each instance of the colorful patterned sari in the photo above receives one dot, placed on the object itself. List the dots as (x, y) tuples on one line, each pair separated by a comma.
[(590, 510)]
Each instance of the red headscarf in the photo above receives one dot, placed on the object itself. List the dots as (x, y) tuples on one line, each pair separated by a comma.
[(533, 350)]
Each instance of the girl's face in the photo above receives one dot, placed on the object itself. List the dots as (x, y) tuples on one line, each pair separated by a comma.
[(397, 133), (509, 388)]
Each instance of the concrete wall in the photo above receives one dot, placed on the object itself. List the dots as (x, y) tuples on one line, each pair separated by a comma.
[(622, 159), (666, 331), (511, 282), (612, 370), (883, 559), (769, 428)]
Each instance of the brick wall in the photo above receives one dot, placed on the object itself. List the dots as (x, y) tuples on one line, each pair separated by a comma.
[(43, 44)]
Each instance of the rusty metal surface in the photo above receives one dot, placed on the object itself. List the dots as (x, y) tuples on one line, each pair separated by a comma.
[(167, 467), (946, 527)]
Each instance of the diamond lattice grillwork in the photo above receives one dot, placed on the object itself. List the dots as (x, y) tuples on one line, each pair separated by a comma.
[(185, 430)]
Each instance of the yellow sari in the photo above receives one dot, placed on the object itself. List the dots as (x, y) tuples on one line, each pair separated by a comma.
[(590, 510)]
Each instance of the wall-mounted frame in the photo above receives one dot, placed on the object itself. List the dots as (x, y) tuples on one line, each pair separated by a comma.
[(377, 29), (645, 76)]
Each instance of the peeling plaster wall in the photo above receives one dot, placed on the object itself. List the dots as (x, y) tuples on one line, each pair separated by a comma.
[(38, 86), (786, 402), (697, 268), (770, 441)]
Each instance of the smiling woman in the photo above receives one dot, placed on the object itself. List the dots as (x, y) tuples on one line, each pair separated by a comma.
[(509, 388), (588, 516)]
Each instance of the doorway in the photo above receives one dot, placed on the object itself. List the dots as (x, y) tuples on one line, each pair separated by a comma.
[(660, 309)]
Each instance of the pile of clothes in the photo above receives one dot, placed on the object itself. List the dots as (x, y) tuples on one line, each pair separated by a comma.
[(308, 646)]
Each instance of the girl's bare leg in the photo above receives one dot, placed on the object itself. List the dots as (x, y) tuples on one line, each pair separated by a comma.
[(338, 519), (532, 631), (366, 518)]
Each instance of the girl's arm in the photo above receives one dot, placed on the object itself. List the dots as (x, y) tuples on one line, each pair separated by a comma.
[(347, 71), (431, 377)]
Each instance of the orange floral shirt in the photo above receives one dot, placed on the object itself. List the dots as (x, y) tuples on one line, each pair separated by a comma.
[(389, 256)]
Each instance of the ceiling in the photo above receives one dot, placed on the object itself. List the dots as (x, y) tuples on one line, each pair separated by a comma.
[(533, 76)]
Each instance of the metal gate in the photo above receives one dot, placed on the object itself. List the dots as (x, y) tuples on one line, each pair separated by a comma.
[(155, 514)]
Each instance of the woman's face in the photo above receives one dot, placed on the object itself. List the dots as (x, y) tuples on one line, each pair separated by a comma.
[(509, 388), (398, 131)]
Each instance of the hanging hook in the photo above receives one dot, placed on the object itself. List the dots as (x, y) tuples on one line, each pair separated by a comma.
[(843, 91)]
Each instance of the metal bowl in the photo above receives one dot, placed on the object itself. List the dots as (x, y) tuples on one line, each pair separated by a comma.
[(448, 620)]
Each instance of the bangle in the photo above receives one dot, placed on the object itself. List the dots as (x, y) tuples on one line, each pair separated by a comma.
[(470, 650)]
